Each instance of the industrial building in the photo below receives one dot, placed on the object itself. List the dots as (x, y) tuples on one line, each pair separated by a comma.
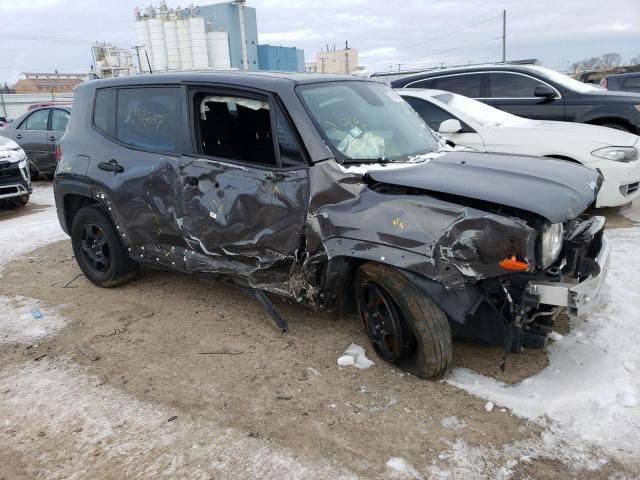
[(340, 62), (240, 23), (48, 82), (284, 59), (179, 39)]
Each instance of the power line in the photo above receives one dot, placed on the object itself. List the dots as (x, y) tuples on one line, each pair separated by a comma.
[(405, 60), (444, 35), (43, 38)]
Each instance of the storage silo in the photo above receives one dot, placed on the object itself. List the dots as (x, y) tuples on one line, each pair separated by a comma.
[(158, 45), (184, 44), (218, 50), (143, 38), (171, 41), (198, 43)]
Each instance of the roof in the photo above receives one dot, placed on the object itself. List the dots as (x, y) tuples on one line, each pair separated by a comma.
[(53, 74), (241, 78)]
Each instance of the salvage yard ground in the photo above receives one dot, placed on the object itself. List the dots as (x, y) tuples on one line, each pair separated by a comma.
[(193, 380)]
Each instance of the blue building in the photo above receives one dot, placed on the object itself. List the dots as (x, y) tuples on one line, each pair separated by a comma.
[(284, 59), (226, 17)]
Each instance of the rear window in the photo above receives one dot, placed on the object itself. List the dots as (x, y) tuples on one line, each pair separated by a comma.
[(148, 117), (467, 85)]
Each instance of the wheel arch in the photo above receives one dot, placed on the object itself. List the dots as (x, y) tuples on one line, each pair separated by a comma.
[(72, 203)]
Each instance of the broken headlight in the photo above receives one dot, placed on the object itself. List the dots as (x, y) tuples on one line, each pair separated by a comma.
[(551, 243)]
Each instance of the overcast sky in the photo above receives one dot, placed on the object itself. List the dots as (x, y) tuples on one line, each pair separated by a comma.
[(412, 32)]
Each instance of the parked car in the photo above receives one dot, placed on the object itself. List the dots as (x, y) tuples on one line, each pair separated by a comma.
[(625, 82), (331, 191), (467, 122), (37, 132), (15, 178), (535, 92)]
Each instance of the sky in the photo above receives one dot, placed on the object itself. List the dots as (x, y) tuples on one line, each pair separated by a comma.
[(413, 33)]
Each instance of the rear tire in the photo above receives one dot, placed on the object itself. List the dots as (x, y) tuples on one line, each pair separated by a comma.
[(98, 249), (404, 325)]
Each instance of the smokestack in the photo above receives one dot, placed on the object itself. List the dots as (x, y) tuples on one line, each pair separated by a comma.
[(346, 45)]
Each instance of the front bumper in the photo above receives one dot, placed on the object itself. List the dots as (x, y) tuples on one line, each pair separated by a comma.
[(14, 181), (621, 182), (578, 298)]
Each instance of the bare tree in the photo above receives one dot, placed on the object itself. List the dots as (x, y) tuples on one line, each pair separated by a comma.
[(610, 60), (635, 60)]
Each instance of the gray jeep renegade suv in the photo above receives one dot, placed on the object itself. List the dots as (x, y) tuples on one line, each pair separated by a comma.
[(330, 191)]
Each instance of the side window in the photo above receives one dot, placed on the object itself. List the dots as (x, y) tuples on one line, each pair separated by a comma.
[(467, 85), (428, 83), (104, 112), (235, 128), (290, 154), (148, 117), (37, 120), (432, 115), (632, 82), (59, 120), (509, 85)]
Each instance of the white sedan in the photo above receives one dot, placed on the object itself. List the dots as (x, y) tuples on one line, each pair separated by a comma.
[(473, 124)]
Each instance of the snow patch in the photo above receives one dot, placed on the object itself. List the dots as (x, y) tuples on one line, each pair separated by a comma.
[(355, 355), (401, 468), (24, 233), (589, 391), (56, 409), (18, 325), (488, 407), (632, 211), (453, 423)]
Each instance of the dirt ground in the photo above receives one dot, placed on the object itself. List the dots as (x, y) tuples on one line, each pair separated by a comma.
[(195, 381)]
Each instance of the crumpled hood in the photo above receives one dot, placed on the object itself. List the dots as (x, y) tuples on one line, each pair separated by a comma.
[(554, 189)]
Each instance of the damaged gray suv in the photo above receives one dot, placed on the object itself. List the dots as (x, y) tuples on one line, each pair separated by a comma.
[(333, 192)]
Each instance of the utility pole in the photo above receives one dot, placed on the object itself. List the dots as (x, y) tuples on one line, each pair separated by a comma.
[(504, 36), (138, 47), (399, 65)]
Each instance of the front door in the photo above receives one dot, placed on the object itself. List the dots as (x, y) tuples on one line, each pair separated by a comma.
[(245, 189), (31, 135), (514, 93)]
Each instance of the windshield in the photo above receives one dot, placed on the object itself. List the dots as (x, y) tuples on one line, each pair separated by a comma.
[(478, 111), (566, 81), (367, 121)]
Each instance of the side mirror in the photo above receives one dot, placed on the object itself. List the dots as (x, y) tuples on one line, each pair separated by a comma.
[(450, 126), (544, 91)]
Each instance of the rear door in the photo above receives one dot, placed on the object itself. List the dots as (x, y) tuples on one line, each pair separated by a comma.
[(31, 135), (245, 188), (514, 93), (57, 126), (134, 164)]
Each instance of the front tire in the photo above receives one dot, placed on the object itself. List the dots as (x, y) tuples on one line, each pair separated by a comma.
[(404, 325), (98, 249)]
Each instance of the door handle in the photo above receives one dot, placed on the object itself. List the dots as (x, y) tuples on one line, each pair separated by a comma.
[(52, 138), (111, 166), (19, 136)]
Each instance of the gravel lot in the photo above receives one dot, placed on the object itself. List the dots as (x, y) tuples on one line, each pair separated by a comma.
[(193, 380)]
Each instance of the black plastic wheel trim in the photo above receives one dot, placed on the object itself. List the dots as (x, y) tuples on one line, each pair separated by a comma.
[(95, 248)]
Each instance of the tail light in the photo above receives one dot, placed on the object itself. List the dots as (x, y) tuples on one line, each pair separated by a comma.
[(58, 152)]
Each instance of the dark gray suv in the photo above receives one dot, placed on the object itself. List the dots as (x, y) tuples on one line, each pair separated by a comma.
[(330, 191)]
